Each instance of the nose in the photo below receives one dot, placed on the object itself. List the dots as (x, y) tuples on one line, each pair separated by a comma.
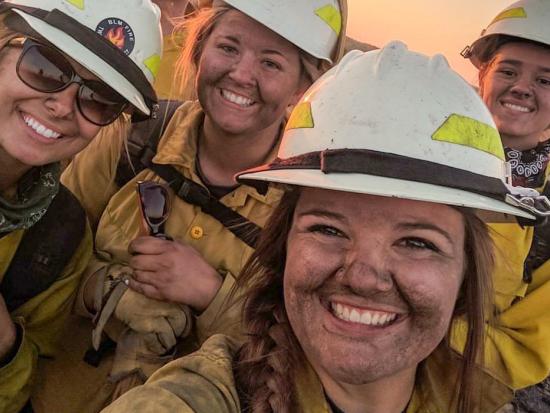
[(522, 87), (243, 71), (367, 270), (62, 104)]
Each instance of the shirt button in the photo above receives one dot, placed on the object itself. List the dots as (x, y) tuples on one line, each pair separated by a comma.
[(196, 232)]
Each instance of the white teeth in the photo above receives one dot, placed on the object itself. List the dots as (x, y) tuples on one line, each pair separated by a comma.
[(355, 315), (517, 107), (40, 129), (239, 100)]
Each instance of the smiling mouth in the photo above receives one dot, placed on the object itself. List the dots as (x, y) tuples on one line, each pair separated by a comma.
[(361, 316), (40, 129), (238, 100), (516, 108)]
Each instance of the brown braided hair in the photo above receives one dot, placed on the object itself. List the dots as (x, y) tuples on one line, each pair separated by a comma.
[(265, 365)]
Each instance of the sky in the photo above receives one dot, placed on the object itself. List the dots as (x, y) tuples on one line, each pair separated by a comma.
[(427, 26)]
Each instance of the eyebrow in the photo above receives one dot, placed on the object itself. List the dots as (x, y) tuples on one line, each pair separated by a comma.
[(426, 226), (264, 51), (323, 213), (519, 63)]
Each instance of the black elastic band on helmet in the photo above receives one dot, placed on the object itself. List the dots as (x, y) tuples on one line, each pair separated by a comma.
[(389, 165), (104, 49)]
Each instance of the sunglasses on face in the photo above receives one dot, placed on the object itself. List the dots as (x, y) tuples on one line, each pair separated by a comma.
[(154, 206), (45, 69)]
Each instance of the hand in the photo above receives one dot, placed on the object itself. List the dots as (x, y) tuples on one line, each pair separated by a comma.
[(168, 270), (8, 333), (159, 324)]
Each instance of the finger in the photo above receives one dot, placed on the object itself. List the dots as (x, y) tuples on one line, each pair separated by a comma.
[(148, 245), (146, 262), (147, 290)]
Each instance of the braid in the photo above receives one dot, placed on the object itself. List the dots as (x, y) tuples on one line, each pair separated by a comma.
[(265, 364)]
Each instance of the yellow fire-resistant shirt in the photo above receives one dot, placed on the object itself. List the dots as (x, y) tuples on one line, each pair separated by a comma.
[(42, 318), (203, 382)]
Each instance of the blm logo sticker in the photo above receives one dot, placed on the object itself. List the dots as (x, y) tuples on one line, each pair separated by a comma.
[(118, 32)]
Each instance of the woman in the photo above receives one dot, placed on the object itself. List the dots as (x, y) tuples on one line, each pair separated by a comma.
[(252, 63), (513, 57), (58, 91), (373, 248)]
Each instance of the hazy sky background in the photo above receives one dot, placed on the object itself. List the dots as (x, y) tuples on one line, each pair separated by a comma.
[(427, 26)]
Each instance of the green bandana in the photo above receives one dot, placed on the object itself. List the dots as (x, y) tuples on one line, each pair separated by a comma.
[(35, 191)]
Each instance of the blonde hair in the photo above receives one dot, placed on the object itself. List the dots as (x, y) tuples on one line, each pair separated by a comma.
[(267, 362)]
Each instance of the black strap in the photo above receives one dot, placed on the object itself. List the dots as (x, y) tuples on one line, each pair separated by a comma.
[(196, 194), (142, 147), (539, 252), (389, 165), (143, 141), (45, 250)]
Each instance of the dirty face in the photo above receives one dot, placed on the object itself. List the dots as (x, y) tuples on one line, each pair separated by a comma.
[(247, 76), (516, 89), (370, 283)]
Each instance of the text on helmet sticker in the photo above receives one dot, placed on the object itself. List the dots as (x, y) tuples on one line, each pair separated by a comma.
[(152, 63), (466, 131), (77, 3), (515, 13), (301, 117), (331, 16), (118, 32)]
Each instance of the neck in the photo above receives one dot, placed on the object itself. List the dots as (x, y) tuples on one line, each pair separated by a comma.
[(221, 155), (11, 171), (386, 395), (521, 143)]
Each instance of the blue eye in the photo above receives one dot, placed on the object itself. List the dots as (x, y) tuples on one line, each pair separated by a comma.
[(326, 230), (419, 243), (228, 49), (272, 65)]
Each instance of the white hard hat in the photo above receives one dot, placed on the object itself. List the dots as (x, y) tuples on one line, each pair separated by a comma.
[(119, 41), (526, 19), (394, 123), (315, 26)]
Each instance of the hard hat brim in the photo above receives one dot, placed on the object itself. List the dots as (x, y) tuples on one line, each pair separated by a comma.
[(390, 187), (87, 59)]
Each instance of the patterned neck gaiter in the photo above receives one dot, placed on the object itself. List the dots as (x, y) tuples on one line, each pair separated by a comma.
[(529, 166), (35, 191)]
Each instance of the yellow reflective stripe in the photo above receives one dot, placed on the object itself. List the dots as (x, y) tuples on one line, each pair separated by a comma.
[(301, 117), (466, 131), (331, 16), (515, 13), (77, 3), (152, 63)]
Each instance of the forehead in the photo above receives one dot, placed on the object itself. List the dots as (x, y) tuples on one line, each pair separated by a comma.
[(523, 52), (244, 29), (354, 207)]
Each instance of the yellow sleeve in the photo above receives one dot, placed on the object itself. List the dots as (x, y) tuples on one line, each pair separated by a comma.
[(42, 319), (221, 316), (517, 350), (201, 382), (90, 175)]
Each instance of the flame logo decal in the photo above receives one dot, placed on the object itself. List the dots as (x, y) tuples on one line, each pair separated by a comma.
[(116, 37), (117, 32)]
